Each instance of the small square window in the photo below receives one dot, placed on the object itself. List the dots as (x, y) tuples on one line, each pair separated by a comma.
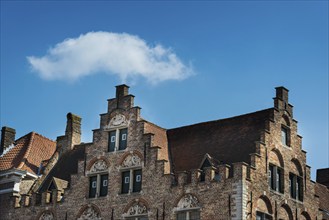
[(104, 182), (126, 179), (94, 184), (138, 178), (124, 137)]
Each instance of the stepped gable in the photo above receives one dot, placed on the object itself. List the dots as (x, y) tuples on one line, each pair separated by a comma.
[(27, 153), (65, 166), (228, 140)]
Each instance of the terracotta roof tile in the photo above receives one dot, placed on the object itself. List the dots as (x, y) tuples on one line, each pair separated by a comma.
[(227, 140), (28, 152)]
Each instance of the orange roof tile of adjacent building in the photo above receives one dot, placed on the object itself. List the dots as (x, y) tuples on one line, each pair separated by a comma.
[(28, 152)]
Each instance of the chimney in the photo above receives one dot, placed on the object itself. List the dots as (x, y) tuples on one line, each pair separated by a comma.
[(282, 93), (7, 138), (122, 91), (281, 100), (73, 130)]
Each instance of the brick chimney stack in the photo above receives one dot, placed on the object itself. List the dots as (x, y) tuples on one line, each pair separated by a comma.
[(122, 91), (122, 100), (281, 100), (73, 130), (7, 138)]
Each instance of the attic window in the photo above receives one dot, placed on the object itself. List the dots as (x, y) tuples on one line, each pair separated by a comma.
[(285, 133), (206, 163), (117, 139)]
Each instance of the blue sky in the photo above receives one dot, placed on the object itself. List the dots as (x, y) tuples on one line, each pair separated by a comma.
[(226, 58)]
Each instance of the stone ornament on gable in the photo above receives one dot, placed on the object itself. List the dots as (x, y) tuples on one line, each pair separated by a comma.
[(116, 121), (188, 201), (132, 160), (98, 166), (90, 214), (137, 209), (47, 216)]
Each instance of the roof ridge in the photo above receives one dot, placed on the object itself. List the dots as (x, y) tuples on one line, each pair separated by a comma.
[(219, 120), (42, 136)]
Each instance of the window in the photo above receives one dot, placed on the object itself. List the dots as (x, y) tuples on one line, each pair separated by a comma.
[(118, 140), (205, 164), (131, 181), (285, 136), (275, 177), (98, 185), (263, 216), (188, 215), (296, 186)]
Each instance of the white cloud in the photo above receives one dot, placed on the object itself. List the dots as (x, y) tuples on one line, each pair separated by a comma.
[(124, 55)]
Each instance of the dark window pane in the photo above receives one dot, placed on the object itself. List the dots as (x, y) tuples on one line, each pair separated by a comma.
[(284, 136), (280, 180), (299, 186), (202, 176), (181, 216), (292, 182), (137, 186), (112, 139), (103, 185), (92, 186), (194, 215), (271, 177), (123, 139), (125, 182)]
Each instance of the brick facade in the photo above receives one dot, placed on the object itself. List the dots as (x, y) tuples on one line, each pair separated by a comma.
[(214, 170)]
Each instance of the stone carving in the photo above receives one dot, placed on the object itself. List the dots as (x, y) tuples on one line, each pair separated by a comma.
[(47, 216), (99, 165), (188, 201), (118, 120), (90, 214), (132, 160), (137, 209)]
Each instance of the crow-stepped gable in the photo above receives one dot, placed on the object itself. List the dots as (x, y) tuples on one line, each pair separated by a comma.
[(250, 166)]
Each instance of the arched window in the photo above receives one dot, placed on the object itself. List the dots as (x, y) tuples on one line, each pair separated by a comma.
[(285, 213), (276, 171), (137, 211), (118, 133), (98, 179), (131, 173), (285, 131), (90, 212), (264, 209), (296, 181), (188, 208)]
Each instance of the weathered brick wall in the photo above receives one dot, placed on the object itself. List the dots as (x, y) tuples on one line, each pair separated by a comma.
[(241, 190), (292, 159)]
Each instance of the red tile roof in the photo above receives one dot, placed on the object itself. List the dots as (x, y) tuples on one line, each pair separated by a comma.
[(28, 152), (228, 140)]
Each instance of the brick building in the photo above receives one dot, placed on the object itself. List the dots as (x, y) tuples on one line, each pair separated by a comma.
[(246, 167)]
